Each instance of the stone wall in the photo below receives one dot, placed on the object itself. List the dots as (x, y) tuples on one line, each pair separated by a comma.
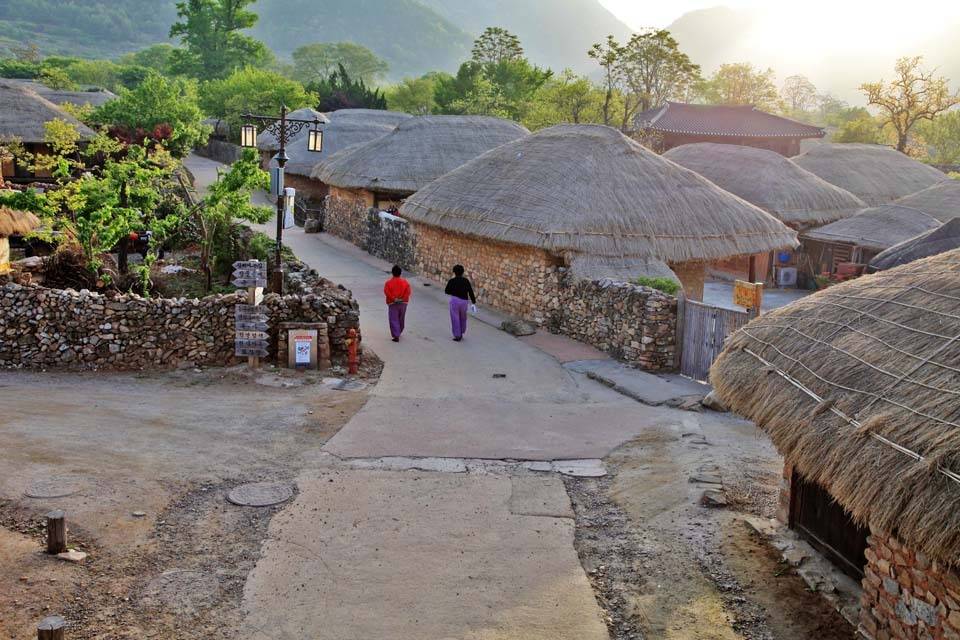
[(514, 278), (390, 238), (45, 328), (632, 323), (221, 151), (345, 216), (906, 595)]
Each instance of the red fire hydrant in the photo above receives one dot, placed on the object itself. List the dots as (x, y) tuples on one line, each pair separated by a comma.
[(353, 360)]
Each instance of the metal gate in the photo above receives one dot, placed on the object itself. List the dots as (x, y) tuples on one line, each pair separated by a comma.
[(704, 329)]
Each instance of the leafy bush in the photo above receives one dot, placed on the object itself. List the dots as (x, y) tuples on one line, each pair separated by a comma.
[(252, 90), (666, 285)]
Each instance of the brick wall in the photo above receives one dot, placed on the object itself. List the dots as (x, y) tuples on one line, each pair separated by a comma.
[(906, 595)]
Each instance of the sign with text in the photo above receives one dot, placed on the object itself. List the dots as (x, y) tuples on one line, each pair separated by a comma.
[(251, 339), (748, 294), (302, 349), (249, 273)]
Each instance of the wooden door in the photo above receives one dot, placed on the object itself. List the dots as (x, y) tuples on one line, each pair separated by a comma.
[(705, 330)]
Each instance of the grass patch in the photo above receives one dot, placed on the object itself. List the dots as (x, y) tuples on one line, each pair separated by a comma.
[(660, 284)]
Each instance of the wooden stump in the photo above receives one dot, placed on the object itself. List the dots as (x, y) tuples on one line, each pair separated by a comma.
[(51, 628), (56, 533)]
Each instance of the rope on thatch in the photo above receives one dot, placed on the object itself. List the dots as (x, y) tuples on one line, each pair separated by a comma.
[(770, 181), (16, 223), (942, 200), (418, 151), (878, 356), (877, 228), (589, 189), (926, 244)]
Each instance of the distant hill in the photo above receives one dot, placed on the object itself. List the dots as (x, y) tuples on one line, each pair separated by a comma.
[(414, 36)]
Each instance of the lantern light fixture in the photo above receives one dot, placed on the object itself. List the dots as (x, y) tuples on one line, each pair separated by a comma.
[(315, 140), (248, 136)]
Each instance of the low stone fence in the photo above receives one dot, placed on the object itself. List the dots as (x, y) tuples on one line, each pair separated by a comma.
[(634, 324), (46, 328), (221, 151), (347, 219)]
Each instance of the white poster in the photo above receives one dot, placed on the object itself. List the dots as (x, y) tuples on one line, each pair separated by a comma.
[(302, 351)]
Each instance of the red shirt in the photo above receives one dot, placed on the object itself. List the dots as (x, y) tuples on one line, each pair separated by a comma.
[(396, 289)]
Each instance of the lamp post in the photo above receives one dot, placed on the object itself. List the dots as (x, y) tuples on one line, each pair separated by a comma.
[(284, 129)]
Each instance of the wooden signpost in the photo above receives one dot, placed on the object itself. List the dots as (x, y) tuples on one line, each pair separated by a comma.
[(749, 295), (252, 339)]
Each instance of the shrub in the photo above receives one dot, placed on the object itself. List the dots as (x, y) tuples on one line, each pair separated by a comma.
[(666, 285)]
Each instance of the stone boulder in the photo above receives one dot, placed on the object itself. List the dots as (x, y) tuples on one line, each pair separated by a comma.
[(312, 225), (518, 327)]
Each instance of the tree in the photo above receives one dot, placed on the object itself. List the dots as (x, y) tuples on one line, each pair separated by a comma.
[(567, 98), (252, 90), (316, 62), (57, 79), (27, 52), (913, 95), (416, 95), (213, 45), (161, 109), (340, 91), (157, 57), (941, 136), (496, 45), (857, 125), (607, 56), (655, 69), (741, 84), (798, 93)]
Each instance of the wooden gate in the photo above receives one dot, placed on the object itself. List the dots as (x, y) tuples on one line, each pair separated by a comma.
[(704, 330)]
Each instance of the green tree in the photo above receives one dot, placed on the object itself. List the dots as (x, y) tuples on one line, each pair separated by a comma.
[(251, 90), (740, 83), (157, 57), (941, 137), (57, 79), (340, 91), (213, 44), (415, 95), (496, 45), (163, 109), (607, 55), (799, 94), (567, 98), (858, 125), (912, 96), (655, 69), (316, 62)]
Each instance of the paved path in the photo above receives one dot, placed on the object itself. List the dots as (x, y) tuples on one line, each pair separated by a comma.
[(377, 554)]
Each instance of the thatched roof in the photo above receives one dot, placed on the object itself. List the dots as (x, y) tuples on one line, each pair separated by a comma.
[(620, 269), (877, 228), (418, 151), (770, 181), (94, 96), (16, 223), (337, 136), (590, 189), (939, 240), (267, 141), (942, 200), (378, 116), (875, 173), (857, 382), (23, 113)]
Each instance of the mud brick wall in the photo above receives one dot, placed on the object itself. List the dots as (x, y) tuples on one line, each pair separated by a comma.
[(63, 328), (634, 324), (907, 595), (692, 276), (510, 277), (307, 189)]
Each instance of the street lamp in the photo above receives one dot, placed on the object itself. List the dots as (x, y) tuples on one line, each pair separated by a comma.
[(284, 129)]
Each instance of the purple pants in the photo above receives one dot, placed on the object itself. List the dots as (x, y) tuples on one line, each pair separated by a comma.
[(397, 313), (458, 316)]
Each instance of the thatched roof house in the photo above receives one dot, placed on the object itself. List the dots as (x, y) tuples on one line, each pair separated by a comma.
[(774, 183), (267, 141), (388, 118), (858, 386), (939, 240), (876, 174), (877, 228), (92, 97), (589, 190), (13, 223), (942, 200), (676, 123), (418, 151), (23, 112)]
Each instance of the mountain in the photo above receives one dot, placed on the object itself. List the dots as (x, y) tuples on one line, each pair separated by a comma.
[(554, 33)]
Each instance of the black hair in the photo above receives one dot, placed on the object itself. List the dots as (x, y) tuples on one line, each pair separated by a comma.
[(458, 270), (396, 271)]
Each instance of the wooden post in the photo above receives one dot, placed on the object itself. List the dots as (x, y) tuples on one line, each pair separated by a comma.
[(56, 532), (752, 271), (678, 339), (51, 628)]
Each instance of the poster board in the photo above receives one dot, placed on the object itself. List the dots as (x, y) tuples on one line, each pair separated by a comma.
[(302, 349)]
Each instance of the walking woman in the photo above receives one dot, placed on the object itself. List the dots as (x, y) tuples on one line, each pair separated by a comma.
[(460, 292), (397, 292)]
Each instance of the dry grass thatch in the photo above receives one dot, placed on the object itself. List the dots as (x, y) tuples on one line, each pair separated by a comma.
[(337, 136), (875, 173), (877, 229), (16, 223), (377, 116), (843, 377), (418, 151), (939, 240), (267, 141), (767, 179), (590, 189), (942, 200), (621, 269), (23, 113)]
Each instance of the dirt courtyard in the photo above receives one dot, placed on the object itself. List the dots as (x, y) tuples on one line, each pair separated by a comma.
[(146, 460)]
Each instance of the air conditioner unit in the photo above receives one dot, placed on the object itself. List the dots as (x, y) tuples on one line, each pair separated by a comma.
[(787, 277)]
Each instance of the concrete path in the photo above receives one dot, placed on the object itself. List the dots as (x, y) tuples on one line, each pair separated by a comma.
[(370, 553)]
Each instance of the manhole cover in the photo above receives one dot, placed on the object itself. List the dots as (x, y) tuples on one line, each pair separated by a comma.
[(53, 488), (260, 494), (182, 592)]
